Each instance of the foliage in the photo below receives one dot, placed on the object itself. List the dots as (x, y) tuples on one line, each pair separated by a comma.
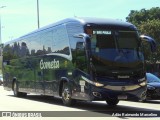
[(152, 28), (137, 17), (148, 22)]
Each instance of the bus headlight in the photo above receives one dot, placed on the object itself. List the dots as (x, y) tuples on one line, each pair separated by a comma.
[(98, 84), (144, 83)]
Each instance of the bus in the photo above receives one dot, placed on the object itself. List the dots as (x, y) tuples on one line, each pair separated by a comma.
[(86, 59)]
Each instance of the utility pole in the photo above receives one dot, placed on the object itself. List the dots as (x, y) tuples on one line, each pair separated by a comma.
[(1, 25), (38, 13)]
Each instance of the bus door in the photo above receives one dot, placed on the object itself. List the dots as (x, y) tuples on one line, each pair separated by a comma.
[(81, 69)]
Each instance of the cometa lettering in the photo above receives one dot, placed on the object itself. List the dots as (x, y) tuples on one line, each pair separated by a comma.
[(49, 65)]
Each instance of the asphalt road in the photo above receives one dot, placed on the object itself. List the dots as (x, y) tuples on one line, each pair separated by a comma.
[(49, 107)]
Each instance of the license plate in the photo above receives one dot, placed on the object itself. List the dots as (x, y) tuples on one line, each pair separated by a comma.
[(122, 97)]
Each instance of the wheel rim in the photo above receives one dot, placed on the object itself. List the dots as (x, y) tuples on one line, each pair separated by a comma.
[(15, 89), (143, 96), (66, 94)]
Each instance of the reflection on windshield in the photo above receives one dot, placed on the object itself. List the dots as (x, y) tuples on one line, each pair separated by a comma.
[(118, 46), (116, 51)]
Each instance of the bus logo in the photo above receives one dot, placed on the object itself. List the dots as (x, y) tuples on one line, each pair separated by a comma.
[(49, 65), (124, 76)]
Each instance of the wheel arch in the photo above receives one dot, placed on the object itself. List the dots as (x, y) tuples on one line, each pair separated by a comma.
[(62, 81), (13, 80)]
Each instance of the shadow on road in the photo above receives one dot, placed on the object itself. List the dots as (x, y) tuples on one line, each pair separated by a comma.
[(152, 101), (95, 109)]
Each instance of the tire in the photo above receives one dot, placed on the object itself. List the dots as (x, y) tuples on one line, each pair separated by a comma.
[(66, 95), (16, 92), (112, 102), (143, 101)]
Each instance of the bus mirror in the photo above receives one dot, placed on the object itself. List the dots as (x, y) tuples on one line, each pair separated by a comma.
[(87, 41), (150, 40)]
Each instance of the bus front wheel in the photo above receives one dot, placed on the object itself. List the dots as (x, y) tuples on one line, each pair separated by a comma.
[(112, 102), (66, 95)]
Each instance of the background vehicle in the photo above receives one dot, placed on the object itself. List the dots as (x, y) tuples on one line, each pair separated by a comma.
[(153, 86), (1, 79), (78, 59)]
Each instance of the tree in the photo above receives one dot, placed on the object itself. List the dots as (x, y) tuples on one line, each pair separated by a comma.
[(137, 17), (148, 22)]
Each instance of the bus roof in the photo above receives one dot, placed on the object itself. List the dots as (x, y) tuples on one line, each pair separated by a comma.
[(85, 21), (91, 21)]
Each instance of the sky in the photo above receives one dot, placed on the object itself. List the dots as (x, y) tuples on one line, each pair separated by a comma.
[(19, 17)]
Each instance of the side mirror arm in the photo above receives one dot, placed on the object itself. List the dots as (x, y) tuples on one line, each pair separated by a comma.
[(151, 41)]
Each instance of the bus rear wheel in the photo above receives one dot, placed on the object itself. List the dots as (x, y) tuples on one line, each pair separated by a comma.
[(112, 102), (66, 95), (16, 92)]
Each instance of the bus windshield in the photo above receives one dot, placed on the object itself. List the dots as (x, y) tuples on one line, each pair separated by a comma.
[(116, 50)]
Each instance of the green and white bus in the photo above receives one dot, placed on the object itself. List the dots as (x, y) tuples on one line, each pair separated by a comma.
[(78, 59)]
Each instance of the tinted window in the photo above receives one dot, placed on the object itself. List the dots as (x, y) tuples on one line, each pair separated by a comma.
[(52, 40), (35, 45), (105, 41), (61, 40), (127, 40)]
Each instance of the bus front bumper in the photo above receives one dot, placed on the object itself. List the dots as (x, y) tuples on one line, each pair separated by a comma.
[(132, 92)]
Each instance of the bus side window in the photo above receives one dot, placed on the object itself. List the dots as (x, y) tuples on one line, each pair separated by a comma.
[(80, 56)]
